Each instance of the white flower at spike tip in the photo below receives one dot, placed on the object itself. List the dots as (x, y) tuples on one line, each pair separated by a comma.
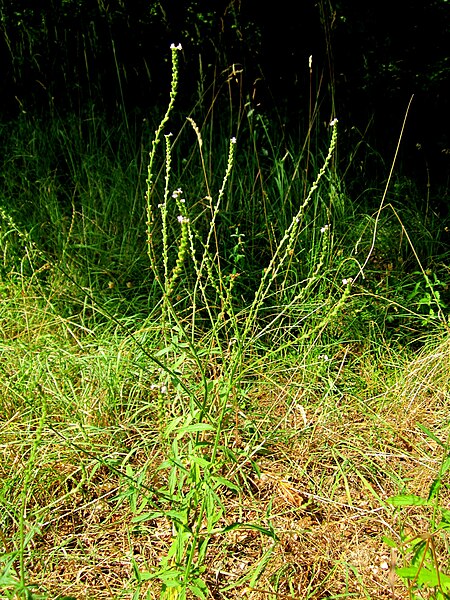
[(347, 281), (173, 47), (182, 219), (233, 140), (333, 122), (324, 228)]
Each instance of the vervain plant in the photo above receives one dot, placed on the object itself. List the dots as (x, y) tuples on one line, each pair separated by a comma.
[(190, 428)]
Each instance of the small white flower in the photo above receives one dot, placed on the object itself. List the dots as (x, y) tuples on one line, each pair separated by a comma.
[(233, 140), (163, 389), (347, 281), (324, 228), (182, 219), (333, 122), (173, 47), (177, 193)]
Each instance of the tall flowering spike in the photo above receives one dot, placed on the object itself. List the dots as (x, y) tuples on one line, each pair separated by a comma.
[(150, 173)]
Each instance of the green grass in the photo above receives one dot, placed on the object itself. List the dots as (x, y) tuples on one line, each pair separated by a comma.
[(223, 405)]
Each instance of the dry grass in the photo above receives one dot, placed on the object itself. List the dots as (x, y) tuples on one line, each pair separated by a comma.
[(328, 460)]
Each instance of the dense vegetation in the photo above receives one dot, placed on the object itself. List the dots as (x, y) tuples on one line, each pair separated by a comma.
[(224, 354)]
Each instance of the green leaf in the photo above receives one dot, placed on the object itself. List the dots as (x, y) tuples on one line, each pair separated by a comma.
[(202, 547), (147, 516), (389, 542), (263, 530), (194, 428), (178, 515), (146, 576), (173, 425), (407, 572), (261, 566), (7, 580), (163, 351), (408, 500), (434, 489), (445, 466), (430, 434), (198, 588), (200, 461), (425, 577), (226, 483), (171, 577), (445, 520)]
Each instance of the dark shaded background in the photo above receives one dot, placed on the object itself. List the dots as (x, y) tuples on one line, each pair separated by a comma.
[(368, 60)]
